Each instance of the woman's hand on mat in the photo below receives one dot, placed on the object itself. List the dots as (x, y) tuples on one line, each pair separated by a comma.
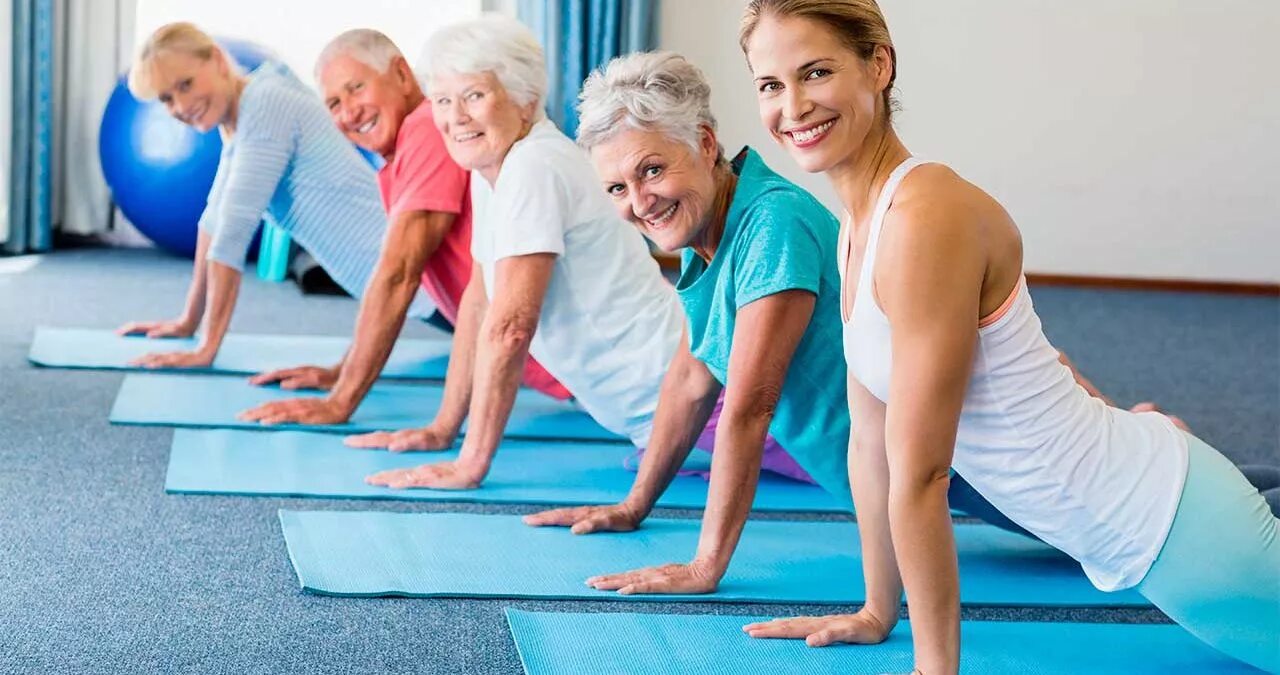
[(691, 578), (177, 328), (430, 437), (439, 476), (301, 377), (298, 411), (819, 631), (588, 519), (195, 359)]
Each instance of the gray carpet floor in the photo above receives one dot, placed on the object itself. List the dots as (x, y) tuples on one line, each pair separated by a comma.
[(101, 572)]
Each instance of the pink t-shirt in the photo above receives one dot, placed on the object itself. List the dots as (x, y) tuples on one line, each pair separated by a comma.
[(422, 177)]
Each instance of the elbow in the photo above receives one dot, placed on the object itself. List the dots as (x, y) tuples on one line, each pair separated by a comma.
[(914, 489), (755, 406), (401, 277), (512, 334)]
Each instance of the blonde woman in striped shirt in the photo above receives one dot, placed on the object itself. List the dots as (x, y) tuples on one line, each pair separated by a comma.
[(281, 158)]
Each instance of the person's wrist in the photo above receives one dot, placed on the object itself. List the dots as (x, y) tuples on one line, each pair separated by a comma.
[(710, 566), (208, 347), (880, 618), (637, 506), (344, 396), (448, 427), (472, 466)]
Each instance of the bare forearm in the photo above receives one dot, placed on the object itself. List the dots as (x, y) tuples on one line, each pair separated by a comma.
[(678, 421), (925, 548), (499, 365), (459, 379), (869, 480), (381, 317), (735, 472), (223, 289)]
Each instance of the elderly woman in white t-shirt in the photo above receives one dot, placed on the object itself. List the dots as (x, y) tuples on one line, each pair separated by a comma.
[(557, 274)]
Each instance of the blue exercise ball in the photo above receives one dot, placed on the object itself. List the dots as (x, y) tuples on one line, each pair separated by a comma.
[(159, 169)]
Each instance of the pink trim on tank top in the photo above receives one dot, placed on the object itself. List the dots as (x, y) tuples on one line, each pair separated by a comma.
[(1001, 310)]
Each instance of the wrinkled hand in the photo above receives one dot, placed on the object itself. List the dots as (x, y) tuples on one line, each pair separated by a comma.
[(194, 359), (298, 411), (1148, 406), (176, 328), (301, 377), (819, 631), (440, 476), (588, 519), (695, 577), (430, 437)]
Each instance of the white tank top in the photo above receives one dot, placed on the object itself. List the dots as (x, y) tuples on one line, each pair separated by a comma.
[(1098, 483)]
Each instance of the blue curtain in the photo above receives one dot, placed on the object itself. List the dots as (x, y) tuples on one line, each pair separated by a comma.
[(30, 188), (581, 35)]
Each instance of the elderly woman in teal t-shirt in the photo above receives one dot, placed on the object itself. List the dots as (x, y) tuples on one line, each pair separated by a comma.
[(760, 289)]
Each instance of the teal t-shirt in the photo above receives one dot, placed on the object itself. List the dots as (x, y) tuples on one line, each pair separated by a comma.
[(777, 237)]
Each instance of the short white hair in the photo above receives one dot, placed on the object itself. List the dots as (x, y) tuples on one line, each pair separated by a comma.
[(493, 43), (649, 91), (368, 46)]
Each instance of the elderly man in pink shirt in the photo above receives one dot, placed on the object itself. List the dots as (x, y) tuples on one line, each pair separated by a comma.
[(375, 100)]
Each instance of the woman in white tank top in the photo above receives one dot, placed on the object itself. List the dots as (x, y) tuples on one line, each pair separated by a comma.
[(949, 367)]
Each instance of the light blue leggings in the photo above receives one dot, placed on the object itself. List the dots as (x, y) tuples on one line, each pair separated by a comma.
[(1218, 574)]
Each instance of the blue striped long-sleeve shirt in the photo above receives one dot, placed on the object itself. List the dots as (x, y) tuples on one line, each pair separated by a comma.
[(286, 160)]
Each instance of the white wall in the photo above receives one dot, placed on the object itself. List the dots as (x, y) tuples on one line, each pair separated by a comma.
[(1138, 138), (297, 30)]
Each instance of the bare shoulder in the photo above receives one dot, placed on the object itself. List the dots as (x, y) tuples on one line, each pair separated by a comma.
[(936, 205), (944, 228), (936, 195)]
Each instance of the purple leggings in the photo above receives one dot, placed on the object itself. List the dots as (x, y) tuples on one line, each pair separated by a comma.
[(775, 459)]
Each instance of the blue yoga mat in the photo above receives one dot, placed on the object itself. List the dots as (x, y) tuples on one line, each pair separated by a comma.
[(299, 464), (213, 402), (661, 644), (240, 353), (369, 553)]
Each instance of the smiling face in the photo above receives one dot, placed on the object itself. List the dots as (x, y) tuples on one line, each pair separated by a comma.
[(659, 184), (478, 119), (366, 105), (196, 91), (818, 98)]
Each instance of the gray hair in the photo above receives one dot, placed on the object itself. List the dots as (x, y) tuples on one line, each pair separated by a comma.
[(368, 46), (649, 91), (493, 43)]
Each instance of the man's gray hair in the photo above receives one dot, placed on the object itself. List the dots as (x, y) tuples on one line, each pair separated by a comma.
[(493, 43), (649, 91), (368, 46)]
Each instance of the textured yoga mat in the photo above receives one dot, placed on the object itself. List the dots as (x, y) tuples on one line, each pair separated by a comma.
[(661, 644), (369, 553), (213, 402), (299, 464), (241, 354)]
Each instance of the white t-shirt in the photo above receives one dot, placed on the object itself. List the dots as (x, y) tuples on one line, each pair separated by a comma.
[(610, 323)]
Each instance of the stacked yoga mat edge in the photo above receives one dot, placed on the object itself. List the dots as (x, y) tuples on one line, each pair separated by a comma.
[(300, 464), (200, 401), (370, 553), (660, 644), (240, 353)]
